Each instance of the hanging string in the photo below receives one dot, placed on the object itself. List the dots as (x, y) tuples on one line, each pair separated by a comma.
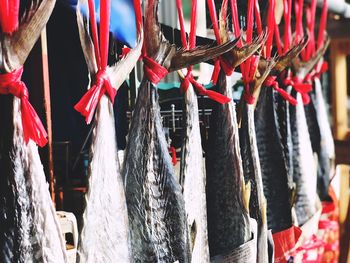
[(189, 79), (10, 83), (102, 85), (219, 62)]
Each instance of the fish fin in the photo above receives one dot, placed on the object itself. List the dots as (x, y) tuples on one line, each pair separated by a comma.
[(240, 54), (287, 60), (302, 68), (193, 233), (184, 58), (29, 30), (246, 194)]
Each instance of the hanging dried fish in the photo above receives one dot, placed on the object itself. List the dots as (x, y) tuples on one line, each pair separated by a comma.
[(30, 231), (155, 203), (105, 233)]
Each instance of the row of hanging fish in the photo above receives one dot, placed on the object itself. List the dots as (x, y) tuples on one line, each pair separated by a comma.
[(244, 202)]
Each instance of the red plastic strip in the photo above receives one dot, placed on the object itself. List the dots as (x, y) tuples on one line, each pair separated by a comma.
[(9, 15), (192, 43), (285, 242), (287, 4), (102, 85), (172, 151), (257, 17), (105, 14), (10, 83), (271, 22), (182, 23), (93, 24), (323, 23)]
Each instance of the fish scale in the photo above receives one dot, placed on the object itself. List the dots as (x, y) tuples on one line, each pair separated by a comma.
[(193, 179), (304, 164), (272, 160), (252, 173), (157, 235), (228, 220), (30, 231), (326, 154)]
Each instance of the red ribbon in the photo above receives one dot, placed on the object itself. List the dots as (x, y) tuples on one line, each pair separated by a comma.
[(192, 42), (88, 103), (10, 83), (9, 10), (271, 82), (285, 242)]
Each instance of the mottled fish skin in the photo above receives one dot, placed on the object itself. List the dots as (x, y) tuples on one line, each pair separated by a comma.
[(283, 114), (228, 219), (105, 233), (155, 203), (326, 155), (193, 180), (272, 161), (304, 175), (29, 228), (252, 173)]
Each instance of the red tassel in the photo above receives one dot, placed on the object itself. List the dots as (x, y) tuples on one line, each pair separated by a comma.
[(10, 83)]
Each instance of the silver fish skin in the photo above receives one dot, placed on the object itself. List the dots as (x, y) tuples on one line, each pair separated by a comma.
[(156, 208), (326, 156), (105, 233), (228, 219), (272, 160), (252, 174), (192, 176), (305, 174), (30, 231)]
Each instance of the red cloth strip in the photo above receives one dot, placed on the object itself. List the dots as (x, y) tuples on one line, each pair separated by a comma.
[(102, 85), (9, 10), (285, 242), (10, 83)]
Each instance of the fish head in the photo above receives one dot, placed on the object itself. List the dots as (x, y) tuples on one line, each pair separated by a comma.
[(15, 47)]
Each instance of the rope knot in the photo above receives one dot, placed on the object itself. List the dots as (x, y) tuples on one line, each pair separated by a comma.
[(153, 71), (10, 83), (270, 81), (88, 103)]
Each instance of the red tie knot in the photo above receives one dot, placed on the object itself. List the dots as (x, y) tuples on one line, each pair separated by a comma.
[(10, 83)]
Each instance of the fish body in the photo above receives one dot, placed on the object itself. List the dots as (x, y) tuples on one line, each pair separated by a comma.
[(228, 218), (30, 231), (192, 176), (252, 174), (272, 160), (105, 233), (304, 175), (326, 154), (156, 206)]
